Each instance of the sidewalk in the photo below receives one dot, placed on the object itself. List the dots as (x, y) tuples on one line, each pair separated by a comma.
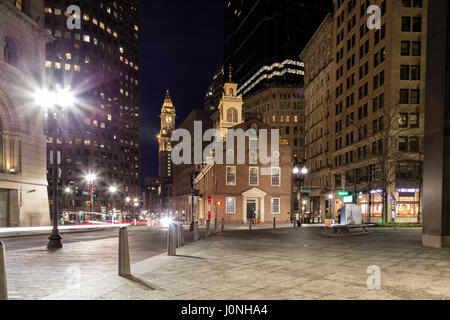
[(282, 264)]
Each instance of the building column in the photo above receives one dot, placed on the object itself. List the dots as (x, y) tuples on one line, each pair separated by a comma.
[(436, 184)]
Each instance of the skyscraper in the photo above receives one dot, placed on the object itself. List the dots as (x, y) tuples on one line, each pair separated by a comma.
[(100, 64), (264, 38), (165, 136)]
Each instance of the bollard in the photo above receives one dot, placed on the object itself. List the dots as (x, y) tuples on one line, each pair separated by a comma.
[(223, 224), (134, 221), (295, 222), (196, 233), (3, 283), (176, 232), (180, 235), (171, 241), (124, 253), (216, 226), (250, 224), (207, 230), (274, 223)]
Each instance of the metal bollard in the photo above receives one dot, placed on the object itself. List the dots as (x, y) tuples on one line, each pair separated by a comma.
[(196, 233), (295, 222), (216, 226), (3, 282), (223, 224), (249, 224), (176, 232), (208, 227), (180, 235), (274, 223), (124, 253), (171, 241)]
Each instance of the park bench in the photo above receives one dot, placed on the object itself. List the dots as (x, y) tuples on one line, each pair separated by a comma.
[(346, 230)]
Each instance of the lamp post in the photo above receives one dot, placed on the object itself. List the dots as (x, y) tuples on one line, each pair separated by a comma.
[(56, 102), (90, 178), (113, 190), (300, 171)]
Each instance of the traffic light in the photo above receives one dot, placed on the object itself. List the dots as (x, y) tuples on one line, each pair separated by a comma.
[(219, 203), (94, 193), (209, 199)]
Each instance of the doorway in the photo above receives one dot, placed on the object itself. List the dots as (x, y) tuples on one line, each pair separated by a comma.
[(251, 209)]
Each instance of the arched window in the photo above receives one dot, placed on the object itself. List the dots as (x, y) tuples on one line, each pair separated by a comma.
[(232, 115), (10, 51), (231, 91)]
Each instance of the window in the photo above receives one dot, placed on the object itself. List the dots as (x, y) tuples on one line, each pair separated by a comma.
[(417, 24), (404, 72), (10, 51), (231, 176), (414, 120), (405, 48), (404, 96), (414, 144), (253, 176), (403, 120), (415, 72), (403, 143), (415, 96), (406, 24), (230, 204), (416, 48), (276, 177), (232, 115), (275, 205)]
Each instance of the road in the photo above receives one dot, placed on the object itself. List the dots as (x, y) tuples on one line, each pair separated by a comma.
[(34, 272)]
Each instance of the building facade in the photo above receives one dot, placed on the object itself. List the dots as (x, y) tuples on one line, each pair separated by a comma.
[(376, 121), (263, 39), (281, 107), (100, 135), (23, 183), (318, 57), (215, 90), (239, 192)]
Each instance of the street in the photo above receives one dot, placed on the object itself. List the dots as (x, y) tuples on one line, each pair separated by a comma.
[(34, 272)]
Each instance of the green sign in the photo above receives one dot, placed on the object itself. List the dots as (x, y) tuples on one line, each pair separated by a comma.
[(343, 193), (348, 199), (86, 193), (306, 191)]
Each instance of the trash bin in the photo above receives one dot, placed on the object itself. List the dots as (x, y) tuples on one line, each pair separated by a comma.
[(299, 223)]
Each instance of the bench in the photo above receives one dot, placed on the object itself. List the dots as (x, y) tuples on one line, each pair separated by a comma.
[(346, 230)]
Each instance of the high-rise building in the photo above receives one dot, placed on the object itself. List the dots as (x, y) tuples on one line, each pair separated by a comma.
[(264, 38), (100, 63), (214, 92), (376, 122), (165, 137), (23, 183)]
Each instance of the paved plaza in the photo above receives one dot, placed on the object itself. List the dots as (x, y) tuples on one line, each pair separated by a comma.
[(282, 264)]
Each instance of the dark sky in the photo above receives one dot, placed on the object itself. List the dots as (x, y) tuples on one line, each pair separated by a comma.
[(181, 49)]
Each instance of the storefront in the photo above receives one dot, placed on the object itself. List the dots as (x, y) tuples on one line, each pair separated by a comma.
[(407, 205)]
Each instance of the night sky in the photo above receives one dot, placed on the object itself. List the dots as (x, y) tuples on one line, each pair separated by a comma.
[(181, 49)]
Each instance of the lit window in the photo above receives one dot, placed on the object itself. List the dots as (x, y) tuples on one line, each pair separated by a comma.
[(115, 34), (230, 205), (48, 10), (76, 45), (68, 56), (108, 29), (109, 117), (67, 67), (86, 38), (19, 4), (96, 41), (57, 12), (77, 68), (94, 21), (85, 17), (275, 176), (102, 125), (48, 64), (253, 176), (87, 60), (136, 28), (121, 50), (57, 65), (102, 25), (231, 176), (275, 205)]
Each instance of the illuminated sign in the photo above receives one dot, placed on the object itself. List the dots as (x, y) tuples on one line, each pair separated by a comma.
[(342, 193), (408, 190), (348, 199)]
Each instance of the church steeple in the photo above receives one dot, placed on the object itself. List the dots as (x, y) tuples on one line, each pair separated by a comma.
[(168, 115)]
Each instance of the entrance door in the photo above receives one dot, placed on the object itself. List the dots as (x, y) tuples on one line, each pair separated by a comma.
[(4, 208), (251, 209)]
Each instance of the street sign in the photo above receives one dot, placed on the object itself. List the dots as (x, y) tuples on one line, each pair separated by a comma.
[(306, 191), (342, 193), (348, 199), (86, 193)]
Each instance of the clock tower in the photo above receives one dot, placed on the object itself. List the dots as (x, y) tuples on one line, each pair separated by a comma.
[(164, 137)]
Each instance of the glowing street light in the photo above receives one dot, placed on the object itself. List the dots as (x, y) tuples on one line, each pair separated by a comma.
[(50, 100)]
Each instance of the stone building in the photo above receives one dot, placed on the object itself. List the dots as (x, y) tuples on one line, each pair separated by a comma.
[(23, 183), (164, 138), (318, 57), (376, 122)]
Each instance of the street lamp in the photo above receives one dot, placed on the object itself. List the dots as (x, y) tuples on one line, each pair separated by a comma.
[(113, 190), (90, 178), (299, 171), (55, 101)]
